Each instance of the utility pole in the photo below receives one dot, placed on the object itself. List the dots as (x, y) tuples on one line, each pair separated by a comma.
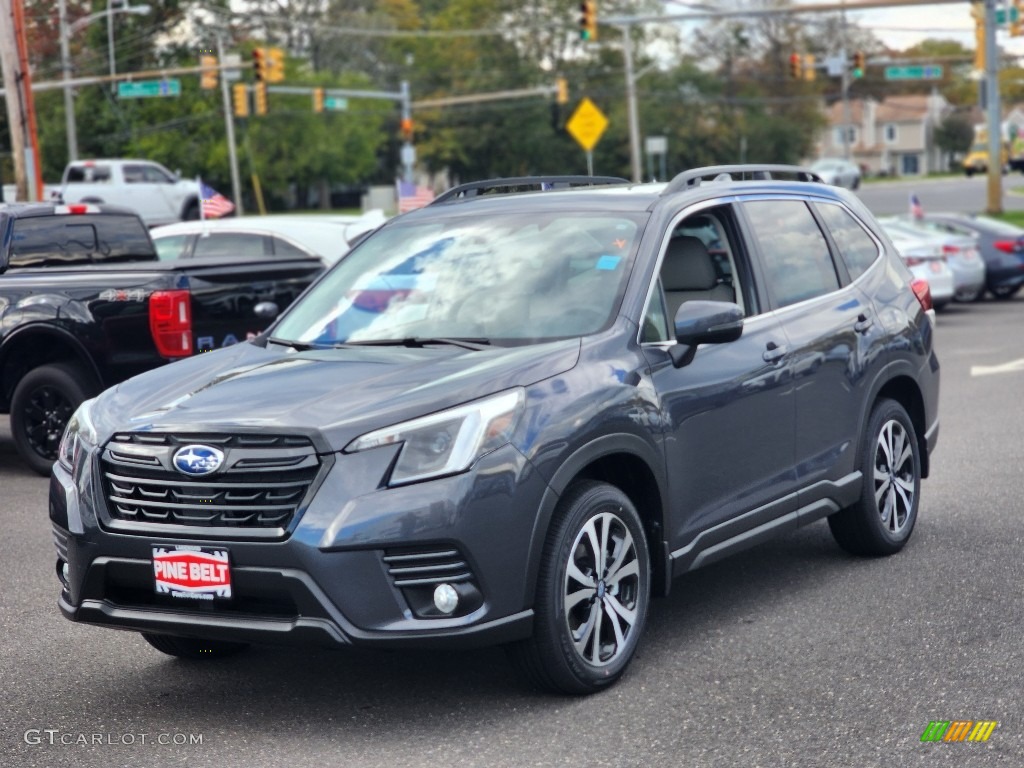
[(229, 126), (634, 119), (408, 151), (65, 67), (845, 82), (14, 96), (993, 112)]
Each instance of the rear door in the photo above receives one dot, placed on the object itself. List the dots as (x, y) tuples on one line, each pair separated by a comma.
[(830, 327), (729, 415)]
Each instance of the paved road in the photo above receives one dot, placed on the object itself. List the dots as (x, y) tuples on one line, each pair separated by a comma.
[(792, 654), (947, 194)]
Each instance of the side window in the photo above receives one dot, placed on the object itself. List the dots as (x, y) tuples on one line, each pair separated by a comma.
[(699, 263), (88, 174), (133, 174), (284, 248), (797, 262), (154, 175), (171, 247), (237, 244), (857, 247)]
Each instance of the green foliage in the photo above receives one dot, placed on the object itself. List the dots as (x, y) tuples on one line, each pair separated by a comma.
[(954, 134)]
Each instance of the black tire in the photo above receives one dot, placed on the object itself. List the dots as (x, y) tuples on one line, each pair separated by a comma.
[(881, 521), (193, 647), (966, 296), (42, 403), (552, 658), (1004, 292), (856, 184), (191, 212)]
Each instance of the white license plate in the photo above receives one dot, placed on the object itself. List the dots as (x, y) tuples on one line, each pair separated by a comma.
[(192, 573)]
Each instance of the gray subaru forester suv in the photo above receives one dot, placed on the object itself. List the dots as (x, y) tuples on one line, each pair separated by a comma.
[(514, 416)]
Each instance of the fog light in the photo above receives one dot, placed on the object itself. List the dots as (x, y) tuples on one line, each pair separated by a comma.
[(63, 571), (66, 573), (446, 599)]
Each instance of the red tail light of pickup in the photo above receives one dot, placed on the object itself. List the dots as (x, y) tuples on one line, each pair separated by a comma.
[(170, 322)]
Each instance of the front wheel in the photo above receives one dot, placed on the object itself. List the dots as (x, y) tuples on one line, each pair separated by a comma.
[(42, 403), (193, 647), (593, 592), (881, 521)]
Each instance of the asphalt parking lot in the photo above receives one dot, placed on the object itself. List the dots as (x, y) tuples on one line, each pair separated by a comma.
[(792, 654)]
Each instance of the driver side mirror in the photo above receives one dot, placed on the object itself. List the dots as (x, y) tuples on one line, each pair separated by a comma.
[(704, 322)]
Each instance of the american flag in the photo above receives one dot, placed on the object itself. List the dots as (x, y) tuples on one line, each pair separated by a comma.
[(916, 209), (412, 196), (215, 204)]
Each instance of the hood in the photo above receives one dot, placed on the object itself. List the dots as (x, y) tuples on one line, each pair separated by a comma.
[(343, 393)]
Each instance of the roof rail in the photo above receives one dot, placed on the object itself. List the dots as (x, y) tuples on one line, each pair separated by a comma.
[(693, 178), (524, 184)]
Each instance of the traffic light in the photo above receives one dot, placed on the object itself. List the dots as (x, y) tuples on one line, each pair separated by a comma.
[(259, 64), (240, 92), (260, 93), (588, 20), (274, 68), (809, 72), (208, 73), (406, 128), (561, 91), (318, 99), (858, 64), (796, 63)]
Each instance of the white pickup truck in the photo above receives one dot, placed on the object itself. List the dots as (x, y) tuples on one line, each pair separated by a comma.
[(156, 194)]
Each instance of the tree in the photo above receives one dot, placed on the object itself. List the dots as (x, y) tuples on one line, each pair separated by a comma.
[(954, 134)]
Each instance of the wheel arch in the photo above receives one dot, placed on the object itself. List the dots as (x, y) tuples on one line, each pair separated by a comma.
[(635, 467), (36, 345), (901, 387), (190, 201)]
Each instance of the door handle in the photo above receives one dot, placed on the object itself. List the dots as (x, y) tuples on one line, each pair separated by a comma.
[(863, 323), (773, 353)]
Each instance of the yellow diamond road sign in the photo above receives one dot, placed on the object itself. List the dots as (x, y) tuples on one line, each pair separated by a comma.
[(587, 124)]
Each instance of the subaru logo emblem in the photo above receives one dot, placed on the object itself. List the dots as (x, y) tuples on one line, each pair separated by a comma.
[(197, 460)]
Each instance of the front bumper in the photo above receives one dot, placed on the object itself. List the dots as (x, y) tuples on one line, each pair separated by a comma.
[(329, 582)]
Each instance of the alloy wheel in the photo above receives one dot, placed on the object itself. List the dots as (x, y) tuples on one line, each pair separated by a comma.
[(45, 416), (602, 589), (894, 476)]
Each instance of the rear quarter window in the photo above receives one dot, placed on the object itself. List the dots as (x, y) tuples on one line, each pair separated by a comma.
[(40, 241), (88, 174), (858, 249)]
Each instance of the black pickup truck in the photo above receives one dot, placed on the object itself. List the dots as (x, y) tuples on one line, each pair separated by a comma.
[(85, 304)]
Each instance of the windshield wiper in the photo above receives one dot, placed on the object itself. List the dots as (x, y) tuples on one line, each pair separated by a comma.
[(298, 346), (475, 344)]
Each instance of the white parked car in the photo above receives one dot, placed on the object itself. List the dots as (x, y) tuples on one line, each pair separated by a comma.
[(155, 193), (837, 172), (327, 237), (925, 259)]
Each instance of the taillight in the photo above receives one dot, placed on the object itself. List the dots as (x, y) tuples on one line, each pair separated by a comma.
[(1006, 246), (949, 250), (913, 261), (78, 208), (923, 293), (170, 322)]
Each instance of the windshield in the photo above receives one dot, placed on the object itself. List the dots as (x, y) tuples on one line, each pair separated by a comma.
[(513, 277)]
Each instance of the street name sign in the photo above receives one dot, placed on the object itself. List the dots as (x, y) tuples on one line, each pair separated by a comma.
[(142, 89), (914, 72)]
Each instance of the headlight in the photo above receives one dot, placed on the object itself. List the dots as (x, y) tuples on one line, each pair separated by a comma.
[(448, 442), (79, 431)]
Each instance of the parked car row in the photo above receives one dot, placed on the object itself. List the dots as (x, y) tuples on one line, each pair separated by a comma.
[(962, 256)]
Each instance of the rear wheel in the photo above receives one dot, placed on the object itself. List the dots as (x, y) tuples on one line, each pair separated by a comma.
[(970, 294), (592, 593), (881, 521), (193, 647), (41, 406)]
